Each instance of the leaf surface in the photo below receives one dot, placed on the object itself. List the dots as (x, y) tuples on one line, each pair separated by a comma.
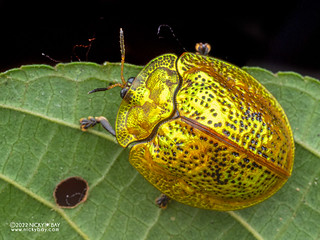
[(41, 144)]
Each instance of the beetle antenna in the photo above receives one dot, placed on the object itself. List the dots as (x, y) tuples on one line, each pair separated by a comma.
[(50, 58), (122, 85), (88, 47), (123, 53), (172, 33)]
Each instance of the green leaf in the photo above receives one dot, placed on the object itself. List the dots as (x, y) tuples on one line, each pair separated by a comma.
[(41, 144)]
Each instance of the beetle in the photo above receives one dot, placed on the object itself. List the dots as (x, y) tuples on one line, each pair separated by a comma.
[(203, 131)]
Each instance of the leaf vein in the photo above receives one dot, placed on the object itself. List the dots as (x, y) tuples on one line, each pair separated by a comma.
[(156, 219), (246, 225)]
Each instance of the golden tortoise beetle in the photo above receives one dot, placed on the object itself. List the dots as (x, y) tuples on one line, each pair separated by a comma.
[(204, 132)]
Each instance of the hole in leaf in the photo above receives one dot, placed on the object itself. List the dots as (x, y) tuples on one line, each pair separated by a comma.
[(70, 192)]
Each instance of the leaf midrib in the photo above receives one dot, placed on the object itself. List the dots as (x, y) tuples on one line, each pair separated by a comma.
[(58, 121)]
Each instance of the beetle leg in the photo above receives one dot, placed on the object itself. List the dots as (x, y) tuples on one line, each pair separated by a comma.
[(162, 201), (86, 123), (92, 121)]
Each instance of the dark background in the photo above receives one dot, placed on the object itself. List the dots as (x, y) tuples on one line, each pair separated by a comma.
[(277, 35)]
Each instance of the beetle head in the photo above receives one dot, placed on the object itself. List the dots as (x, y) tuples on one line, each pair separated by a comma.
[(125, 89)]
